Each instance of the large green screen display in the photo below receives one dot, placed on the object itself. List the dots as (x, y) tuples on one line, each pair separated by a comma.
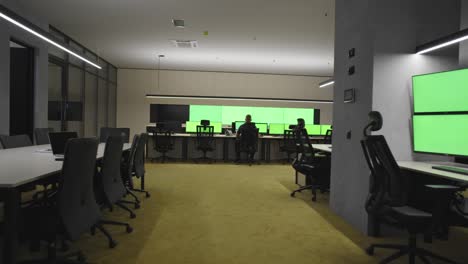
[(441, 92), (441, 134), (229, 114), (191, 127)]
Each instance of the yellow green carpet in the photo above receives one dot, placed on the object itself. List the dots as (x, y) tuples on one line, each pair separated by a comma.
[(228, 214)]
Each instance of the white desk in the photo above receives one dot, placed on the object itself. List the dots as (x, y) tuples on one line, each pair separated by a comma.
[(426, 168), (19, 167), (323, 147)]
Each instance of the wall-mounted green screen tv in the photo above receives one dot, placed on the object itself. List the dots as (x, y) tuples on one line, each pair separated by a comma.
[(191, 127), (313, 129), (441, 134), (229, 114), (441, 92), (324, 129)]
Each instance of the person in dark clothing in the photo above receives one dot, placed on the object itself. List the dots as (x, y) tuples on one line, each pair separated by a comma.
[(247, 128)]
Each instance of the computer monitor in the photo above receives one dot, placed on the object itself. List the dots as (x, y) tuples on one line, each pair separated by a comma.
[(58, 141), (313, 129), (277, 129), (191, 127), (262, 128), (441, 134), (238, 124), (324, 129)]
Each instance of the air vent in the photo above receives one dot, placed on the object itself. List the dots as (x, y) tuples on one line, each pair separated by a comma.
[(185, 44), (178, 23)]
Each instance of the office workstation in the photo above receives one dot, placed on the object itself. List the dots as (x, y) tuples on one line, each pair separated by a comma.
[(215, 132)]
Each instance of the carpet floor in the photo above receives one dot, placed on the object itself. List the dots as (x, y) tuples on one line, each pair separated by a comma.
[(235, 214)]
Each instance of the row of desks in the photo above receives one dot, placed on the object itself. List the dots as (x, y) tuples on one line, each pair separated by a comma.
[(264, 150), (21, 167)]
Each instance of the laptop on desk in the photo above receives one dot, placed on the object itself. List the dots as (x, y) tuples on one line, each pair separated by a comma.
[(58, 141)]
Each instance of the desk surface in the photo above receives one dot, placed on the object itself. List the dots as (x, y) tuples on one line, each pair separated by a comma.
[(274, 137), (426, 168), (20, 166), (323, 147)]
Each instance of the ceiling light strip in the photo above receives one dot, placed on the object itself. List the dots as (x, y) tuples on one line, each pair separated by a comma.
[(41, 36), (156, 96), (326, 83), (443, 42)]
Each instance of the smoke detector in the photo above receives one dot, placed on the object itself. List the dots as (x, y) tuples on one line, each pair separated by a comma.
[(185, 44)]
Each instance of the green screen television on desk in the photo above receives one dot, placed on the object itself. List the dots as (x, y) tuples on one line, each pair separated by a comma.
[(191, 127), (277, 129), (324, 129), (313, 129), (262, 128)]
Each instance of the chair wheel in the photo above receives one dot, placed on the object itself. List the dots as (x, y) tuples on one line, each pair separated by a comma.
[(148, 195), (137, 206), (132, 216), (293, 194), (370, 251), (129, 229), (112, 244), (314, 199), (81, 258)]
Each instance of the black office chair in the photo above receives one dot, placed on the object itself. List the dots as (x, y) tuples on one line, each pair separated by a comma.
[(328, 137), (163, 142), (127, 168), (112, 131), (41, 135), (205, 140), (73, 210), (289, 144), (109, 187), (316, 169), (387, 200), (139, 164), (18, 141), (248, 144)]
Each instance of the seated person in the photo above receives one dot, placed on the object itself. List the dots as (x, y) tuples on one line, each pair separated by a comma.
[(247, 128)]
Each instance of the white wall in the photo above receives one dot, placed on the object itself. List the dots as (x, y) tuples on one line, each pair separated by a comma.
[(7, 32), (133, 85)]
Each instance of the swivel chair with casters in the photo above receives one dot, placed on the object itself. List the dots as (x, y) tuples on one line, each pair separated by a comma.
[(163, 142), (41, 135), (109, 187), (17, 141), (387, 200), (328, 137), (316, 169), (139, 164), (127, 168), (248, 143), (112, 131), (205, 140), (289, 144), (73, 210)]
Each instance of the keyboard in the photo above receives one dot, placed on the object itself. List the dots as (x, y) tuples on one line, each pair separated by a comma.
[(458, 170)]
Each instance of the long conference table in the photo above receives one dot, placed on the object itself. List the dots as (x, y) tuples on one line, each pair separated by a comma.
[(22, 167)]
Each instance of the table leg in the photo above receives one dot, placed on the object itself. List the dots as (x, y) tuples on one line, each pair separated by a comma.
[(184, 148), (11, 226)]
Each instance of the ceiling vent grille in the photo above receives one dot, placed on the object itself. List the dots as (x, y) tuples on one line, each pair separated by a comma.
[(185, 44)]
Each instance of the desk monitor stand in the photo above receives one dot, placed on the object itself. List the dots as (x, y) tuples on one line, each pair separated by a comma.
[(453, 169)]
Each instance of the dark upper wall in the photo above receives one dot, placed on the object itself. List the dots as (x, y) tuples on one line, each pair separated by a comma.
[(385, 34), (7, 32)]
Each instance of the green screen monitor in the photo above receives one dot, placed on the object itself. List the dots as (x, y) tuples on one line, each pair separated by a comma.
[(313, 129), (277, 129), (324, 129), (262, 128), (191, 127), (238, 124), (441, 92), (441, 134)]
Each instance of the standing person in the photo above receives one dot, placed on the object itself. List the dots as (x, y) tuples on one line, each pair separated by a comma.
[(248, 128)]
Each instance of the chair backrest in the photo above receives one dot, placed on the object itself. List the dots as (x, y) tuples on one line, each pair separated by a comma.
[(129, 162), (388, 184), (112, 131), (41, 135), (205, 136), (139, 160), (328, 137), (304, 147), (112, 185), (78, 209), (18, 141), (163, 140), (249, 140), (289, 139)]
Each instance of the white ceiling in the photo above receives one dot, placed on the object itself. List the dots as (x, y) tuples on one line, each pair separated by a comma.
[(260, 36)]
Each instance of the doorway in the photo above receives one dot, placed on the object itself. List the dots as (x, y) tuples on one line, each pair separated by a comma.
[(21, 89)]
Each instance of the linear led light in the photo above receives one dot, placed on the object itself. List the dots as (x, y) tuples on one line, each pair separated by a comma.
[(443, 42), (326, 83), (39, 35), (154, 96)]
